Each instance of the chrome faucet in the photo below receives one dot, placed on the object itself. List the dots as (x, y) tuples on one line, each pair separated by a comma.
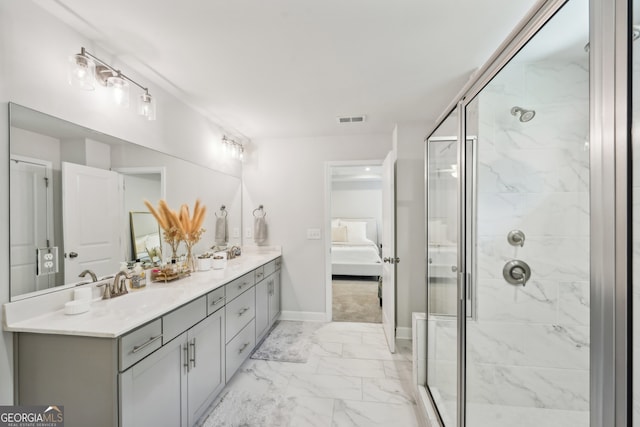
[(119, 287), (94, 278)]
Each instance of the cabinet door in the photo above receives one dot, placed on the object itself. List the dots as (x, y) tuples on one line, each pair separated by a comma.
[(153, 392), (274, 297), (262, 307), (206, 364)]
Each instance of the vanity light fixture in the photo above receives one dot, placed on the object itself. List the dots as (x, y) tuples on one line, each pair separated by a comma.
[(85, 70), (232, 148)]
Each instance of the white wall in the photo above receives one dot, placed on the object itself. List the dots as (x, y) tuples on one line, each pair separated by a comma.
[(287, 176), (357, 199), (34, 48), (411, 294)]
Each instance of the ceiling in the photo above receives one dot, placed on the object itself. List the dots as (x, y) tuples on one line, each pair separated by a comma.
[(289, 68)]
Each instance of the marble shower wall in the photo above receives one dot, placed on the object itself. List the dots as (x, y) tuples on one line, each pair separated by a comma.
[(529, 346)]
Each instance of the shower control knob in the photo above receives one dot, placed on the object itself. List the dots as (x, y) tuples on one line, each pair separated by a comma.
[(516, 272)]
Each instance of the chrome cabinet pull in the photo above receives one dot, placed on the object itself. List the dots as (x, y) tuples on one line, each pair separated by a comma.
[(243, 311), (185, 349), (244, 346), (217, 301), (148, 343), (192, 344), (242, 285)]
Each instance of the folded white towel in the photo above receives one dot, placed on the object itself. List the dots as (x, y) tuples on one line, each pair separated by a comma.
[(259, 230), (222, 231)]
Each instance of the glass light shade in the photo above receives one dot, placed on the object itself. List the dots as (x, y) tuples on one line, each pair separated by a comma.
[(147, 106), (81, 72), (120, 89)]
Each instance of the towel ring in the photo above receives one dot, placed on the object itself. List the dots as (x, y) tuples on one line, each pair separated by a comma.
[(223, 212), (260, 209)]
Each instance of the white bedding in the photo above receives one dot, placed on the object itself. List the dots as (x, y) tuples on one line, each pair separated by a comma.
[(355, 259)]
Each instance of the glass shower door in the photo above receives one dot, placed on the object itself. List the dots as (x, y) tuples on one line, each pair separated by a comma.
[(442, 320), (527, 347)]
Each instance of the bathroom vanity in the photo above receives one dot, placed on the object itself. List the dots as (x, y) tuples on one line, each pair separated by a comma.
[(156, 356)]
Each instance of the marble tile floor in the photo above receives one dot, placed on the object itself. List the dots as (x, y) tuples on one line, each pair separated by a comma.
[(350, 379)]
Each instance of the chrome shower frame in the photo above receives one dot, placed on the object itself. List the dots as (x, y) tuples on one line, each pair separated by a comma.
[(610, 35)]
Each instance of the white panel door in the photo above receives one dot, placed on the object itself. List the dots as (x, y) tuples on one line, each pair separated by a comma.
[(31, 224), (91, 206), (389, 250)]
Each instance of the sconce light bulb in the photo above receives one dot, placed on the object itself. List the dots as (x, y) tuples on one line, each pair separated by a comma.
[(147, 106), (81, 72), (120, 89)]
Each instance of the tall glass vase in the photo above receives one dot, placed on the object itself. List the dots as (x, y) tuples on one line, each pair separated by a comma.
[(191, 259)]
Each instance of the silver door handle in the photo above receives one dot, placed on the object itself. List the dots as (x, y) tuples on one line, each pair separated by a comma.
[(73, 254), (243, 311), (146, 344), (245, 345), (192, 359), (217, 301)]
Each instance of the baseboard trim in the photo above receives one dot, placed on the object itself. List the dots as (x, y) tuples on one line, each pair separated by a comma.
[(403, 333), (305, 316)]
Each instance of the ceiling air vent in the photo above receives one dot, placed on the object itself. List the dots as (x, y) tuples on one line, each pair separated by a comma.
[(353, 119)]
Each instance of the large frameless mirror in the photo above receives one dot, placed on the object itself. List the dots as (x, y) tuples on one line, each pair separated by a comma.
[(71, 193)]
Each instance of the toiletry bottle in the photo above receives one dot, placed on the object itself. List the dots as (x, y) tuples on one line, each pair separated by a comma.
[(136, 279)]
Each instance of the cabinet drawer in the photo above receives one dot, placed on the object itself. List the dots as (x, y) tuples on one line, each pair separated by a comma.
[(178, 321), (239, 312), (238, 286), (260, 274), (269, 268), (215, 300), (239, 348), (135, 345)]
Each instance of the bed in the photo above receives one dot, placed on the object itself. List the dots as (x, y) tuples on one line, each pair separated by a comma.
[(355, 247)]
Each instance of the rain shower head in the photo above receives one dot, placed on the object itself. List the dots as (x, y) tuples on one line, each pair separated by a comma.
[(525, 115)]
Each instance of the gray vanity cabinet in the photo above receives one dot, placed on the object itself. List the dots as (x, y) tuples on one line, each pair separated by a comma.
[(267, 298), (166, 372), (177, 383), (274, 298), (262, 309), (154, 392)]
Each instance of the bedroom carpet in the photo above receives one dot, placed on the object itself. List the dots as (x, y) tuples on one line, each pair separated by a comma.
[(356, 301)]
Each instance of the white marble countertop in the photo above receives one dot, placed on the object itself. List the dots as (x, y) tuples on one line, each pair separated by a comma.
[(114, 317)]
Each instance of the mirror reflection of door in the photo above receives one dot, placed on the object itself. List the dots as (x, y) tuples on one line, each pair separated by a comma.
[(91, 212), (31, 214)]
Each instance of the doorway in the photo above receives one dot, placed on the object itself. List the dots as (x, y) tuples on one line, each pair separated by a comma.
[(355, 264)]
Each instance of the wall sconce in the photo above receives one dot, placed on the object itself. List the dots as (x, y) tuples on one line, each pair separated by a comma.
[(85, 70), (232, 148)]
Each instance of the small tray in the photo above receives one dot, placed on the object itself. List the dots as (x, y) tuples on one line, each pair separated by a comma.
[(162, 277)]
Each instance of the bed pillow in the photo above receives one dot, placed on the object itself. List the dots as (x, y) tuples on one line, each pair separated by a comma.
[(356, 231), (339, 234)]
